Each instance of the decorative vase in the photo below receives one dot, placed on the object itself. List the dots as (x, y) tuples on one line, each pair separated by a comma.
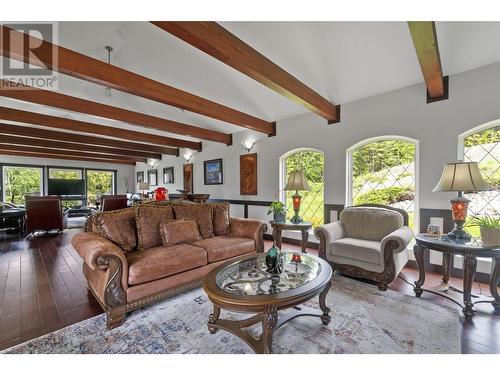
[(490, 236), (280, 217), (274, 260)]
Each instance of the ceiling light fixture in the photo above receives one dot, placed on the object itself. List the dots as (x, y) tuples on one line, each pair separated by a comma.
[(248, 144), (152, 162), (107, 90)]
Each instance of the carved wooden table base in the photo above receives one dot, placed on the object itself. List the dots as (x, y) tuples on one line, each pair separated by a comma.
[(470, 264), (270, 321)]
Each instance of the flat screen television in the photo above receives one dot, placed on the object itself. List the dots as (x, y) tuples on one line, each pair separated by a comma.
[(66, 187)]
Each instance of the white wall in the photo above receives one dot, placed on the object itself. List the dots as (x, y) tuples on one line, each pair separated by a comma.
[(474, 99), (121, 170)]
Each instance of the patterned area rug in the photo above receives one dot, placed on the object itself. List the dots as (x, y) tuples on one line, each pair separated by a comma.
[(364, 320)]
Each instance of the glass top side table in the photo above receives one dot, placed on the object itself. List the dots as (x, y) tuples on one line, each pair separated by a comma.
[(470, 250)]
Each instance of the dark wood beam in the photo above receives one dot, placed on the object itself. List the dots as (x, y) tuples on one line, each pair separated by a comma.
[(74, 104), (109, 151), (54, 151), (96, 71), (85, 139), (63, 157), (425, 41), (33, 118), (215, 40)]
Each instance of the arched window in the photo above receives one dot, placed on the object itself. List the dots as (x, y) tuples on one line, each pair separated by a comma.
[(482, 145), (312, 162), (382, 170)]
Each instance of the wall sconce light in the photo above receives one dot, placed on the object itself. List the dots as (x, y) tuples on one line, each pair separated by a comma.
[(188, 156), (247, 144), (152, 162)]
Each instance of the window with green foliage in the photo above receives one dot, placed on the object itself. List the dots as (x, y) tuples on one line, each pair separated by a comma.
[(383, 172), (483, 147), (99, 183), (313, 165), (21, 181), (65, 173)]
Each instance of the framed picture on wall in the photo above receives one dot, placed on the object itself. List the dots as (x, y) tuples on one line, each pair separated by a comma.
[(248, 174), (187, 170), (140, 176), (213, 172), (168, 175), (153, 177)]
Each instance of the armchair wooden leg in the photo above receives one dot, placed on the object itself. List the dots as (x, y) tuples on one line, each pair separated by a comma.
[(382, 286)]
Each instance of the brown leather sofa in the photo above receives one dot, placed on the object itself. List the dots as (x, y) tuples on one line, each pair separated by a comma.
[(127, 266)]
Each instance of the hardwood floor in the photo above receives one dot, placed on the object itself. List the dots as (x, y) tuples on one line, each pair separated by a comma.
[(42, 289)]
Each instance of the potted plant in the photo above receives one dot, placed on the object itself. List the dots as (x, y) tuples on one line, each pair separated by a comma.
[(490, 229), (279, 210)]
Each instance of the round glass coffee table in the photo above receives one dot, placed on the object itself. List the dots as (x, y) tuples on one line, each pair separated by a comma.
[(244, 286)]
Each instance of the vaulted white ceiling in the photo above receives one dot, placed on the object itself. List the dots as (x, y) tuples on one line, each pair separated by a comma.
[(343, 61)]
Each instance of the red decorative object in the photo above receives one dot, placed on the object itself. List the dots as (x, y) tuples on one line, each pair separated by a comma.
[(160, 194), (459, 209), (296, 258), (296, 198)]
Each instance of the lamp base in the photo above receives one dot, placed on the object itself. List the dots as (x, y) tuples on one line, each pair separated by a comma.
[(459, 207), (459, 234), (296, 219)]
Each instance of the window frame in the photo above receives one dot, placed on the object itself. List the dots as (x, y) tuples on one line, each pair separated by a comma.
[(483, 264), (37, 166), (283, 176), (115, 177), (364, 142)]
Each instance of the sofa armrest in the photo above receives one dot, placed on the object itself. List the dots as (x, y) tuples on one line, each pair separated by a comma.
[(327, 234), (102, 256), (250, 228), (397, 240)]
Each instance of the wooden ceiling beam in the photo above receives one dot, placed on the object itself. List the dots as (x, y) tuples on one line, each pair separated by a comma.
[(63, 157), (33, 118), (74, 104), (109, 151), (52, 151), (216, 41), (85, 139), (99, 72), (426, 46)]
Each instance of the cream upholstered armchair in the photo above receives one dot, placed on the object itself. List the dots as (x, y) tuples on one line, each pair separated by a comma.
[(369, 241)]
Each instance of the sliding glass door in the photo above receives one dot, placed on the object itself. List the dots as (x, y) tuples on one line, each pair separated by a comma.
[(19, 181)]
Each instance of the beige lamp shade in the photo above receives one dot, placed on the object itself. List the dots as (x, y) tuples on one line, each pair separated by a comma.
[(297, 181), (461, 176), (142, 186)]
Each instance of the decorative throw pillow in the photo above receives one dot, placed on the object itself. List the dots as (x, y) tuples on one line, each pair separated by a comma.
[(201, 213), (221, 218), (118, 227), (173, 232), (148, 224)]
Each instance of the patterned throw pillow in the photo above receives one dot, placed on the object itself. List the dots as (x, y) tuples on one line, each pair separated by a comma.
[(200, 213), (173, 232), (118, 227), (148, 224), (221, 218)]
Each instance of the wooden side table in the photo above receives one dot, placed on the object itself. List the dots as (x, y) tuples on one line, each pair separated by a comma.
[(470, 250), (279, 227)]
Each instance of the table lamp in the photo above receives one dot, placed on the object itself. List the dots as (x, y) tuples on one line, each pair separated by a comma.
[(143, 186), (460, 177), (297, 181)]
